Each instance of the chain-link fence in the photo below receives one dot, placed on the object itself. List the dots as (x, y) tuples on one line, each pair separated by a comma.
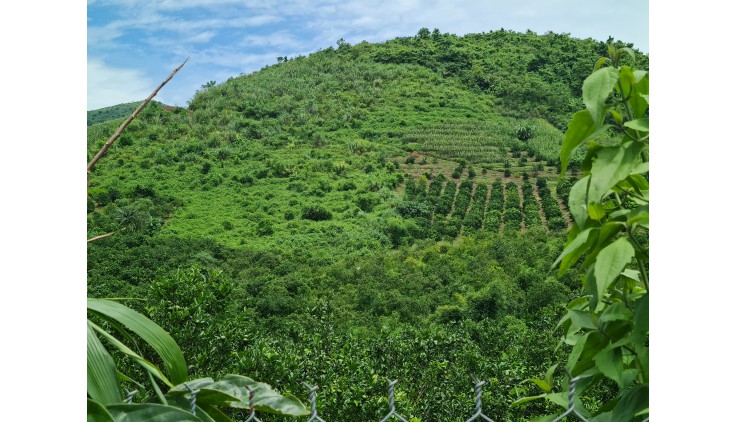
[(477, 415)]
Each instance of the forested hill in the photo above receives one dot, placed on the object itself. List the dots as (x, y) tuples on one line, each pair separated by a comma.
[(400, 196)]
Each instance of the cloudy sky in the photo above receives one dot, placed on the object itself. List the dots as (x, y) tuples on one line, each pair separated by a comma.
[(132, 45)]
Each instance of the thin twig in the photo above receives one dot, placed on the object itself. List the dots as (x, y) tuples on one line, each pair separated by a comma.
[(102, 236), (130, 118)]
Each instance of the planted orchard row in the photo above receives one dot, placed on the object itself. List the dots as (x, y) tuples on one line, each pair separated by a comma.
[(554, 216), (512, 217), (475, 217), (493, 217), (530, 206), (444, 208)]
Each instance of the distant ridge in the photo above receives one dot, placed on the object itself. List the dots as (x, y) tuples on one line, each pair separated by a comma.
[(105, 114)]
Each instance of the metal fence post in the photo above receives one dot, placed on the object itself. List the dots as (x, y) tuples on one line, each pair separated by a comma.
[(478, 402), (314, 412), (252, 413), (193, 398), (392, 404), (572, 385)]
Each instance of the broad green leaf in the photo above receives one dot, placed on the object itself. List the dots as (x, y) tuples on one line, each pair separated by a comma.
[(183, 402), (619, 216), (611, 165), (629, 376), (630, 52), (610, 363), (123, 348), (267, 400), (155, 336), (639, 215), (577, 351), (102, 384), (615, 115), (96, 412), (543, 385), (196, 384), (575, 249), (595, 90), (584, 365), (520, 401), (640, 320), (578, 201), (626, 81), (590, 286), (639, 124), (612, 52), (215, 414), (599, 63), (639, 101), (634, 401), (592, 148), (596, 211), (616, 312), (231, 391), (610, 263), (631, 274), (578, 303), (640, 169), (549, 374), (205, 394), (637, 181), (150, 412), (606, 234), (582, 319), (579, 129), (602, 417), (562, 400)]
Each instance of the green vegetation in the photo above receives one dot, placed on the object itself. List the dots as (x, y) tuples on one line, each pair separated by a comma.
[(367, 213)]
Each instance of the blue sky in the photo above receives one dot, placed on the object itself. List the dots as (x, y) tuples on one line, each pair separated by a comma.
[(132, 45)]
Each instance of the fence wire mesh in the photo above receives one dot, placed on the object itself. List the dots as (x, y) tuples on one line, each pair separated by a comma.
[(478, 414)]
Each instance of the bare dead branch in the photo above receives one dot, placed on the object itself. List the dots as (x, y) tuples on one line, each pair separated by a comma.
[(130, 118), (102, 236)]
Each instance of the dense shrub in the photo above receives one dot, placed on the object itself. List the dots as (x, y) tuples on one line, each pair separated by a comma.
[(316, 213)]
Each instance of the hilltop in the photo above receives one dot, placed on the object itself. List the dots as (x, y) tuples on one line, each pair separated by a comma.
[(118, 111)]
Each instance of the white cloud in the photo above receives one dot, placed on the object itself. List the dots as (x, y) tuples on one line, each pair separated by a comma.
[(195, 25), (107, 86), (202, 37), (279, 39), (236, 60)]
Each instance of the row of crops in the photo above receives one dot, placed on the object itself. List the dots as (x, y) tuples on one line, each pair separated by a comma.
[(446, 209), (488, 142)]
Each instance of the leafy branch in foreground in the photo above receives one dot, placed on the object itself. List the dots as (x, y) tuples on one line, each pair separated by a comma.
[(608, 326), (105, 398)]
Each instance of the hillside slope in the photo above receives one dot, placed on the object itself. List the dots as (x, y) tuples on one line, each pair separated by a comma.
[(339, 125), (377, 210)]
